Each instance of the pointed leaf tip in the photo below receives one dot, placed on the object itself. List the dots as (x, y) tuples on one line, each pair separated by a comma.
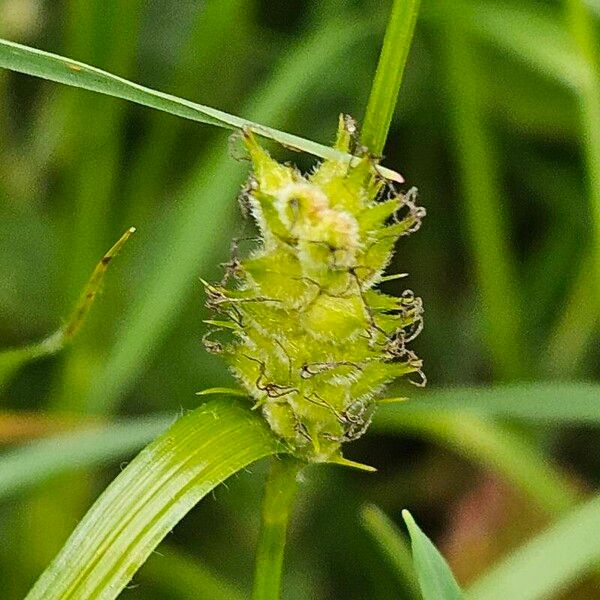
[(435, 577)]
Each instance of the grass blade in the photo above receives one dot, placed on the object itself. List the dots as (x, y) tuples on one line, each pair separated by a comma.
[(388, 77), (554, 403), (90, 445), (545, 565), (59, 69), (86, 298), (151, 496), (14, 358), (393, 545), (435, 577)]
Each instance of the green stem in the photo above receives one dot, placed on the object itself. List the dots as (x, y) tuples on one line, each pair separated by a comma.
[(388, 77), (280, 491)]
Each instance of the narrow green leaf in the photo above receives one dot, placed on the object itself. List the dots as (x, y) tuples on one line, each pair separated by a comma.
[(92, 288), (12, 359), (94, 444), (393, 545), (435, 577), (548, 563), (52, 67), (150, 496), (388, 77), (552, 402)]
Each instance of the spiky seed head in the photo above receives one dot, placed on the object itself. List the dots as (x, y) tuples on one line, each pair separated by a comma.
[(312, 340)]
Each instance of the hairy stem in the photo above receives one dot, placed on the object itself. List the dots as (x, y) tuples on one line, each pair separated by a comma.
[(280, 491)]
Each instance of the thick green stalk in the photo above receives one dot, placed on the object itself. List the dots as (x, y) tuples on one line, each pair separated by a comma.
[(280, 491), (388, 77), (581, 25)]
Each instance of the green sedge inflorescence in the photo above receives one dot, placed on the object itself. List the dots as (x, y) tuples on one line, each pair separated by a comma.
[(312, 340)]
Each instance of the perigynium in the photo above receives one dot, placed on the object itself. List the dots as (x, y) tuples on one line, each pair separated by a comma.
[(311, 339)]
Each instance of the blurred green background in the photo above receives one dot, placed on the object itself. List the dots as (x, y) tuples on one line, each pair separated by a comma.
[(495, 126)]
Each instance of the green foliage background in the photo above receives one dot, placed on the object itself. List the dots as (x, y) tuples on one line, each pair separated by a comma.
[(493, 126)]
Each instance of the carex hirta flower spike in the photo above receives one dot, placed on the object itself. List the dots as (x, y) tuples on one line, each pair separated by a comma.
[(308, 335)]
